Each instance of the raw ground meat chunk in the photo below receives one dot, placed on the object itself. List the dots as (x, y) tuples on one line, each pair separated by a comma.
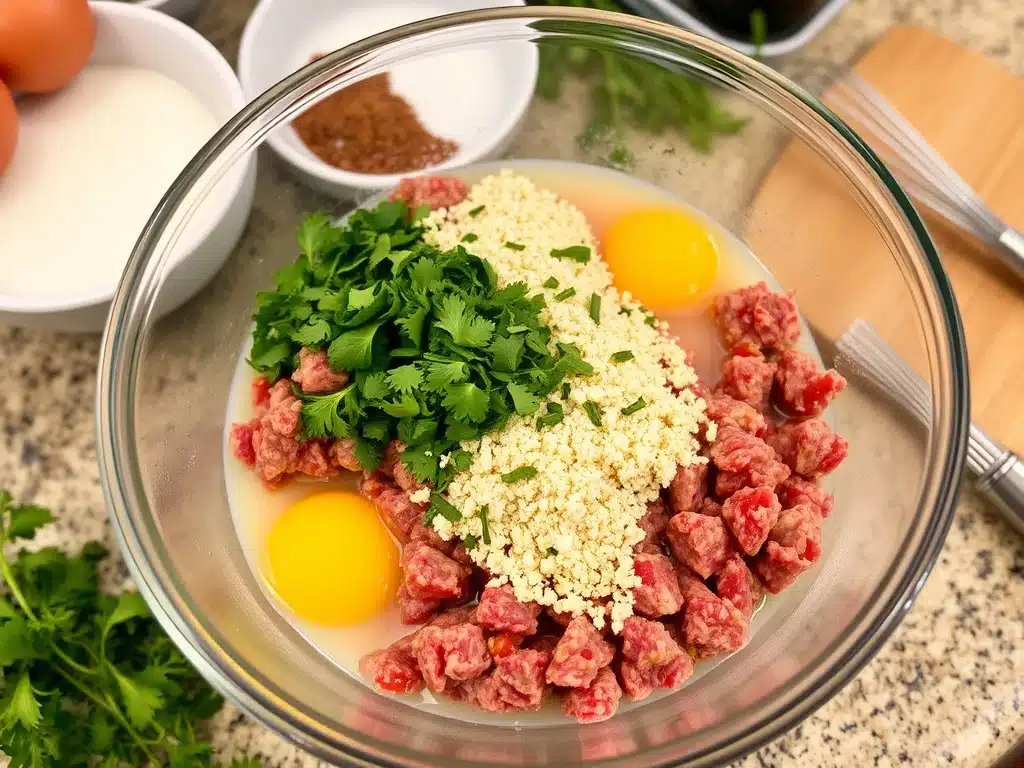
[(427, 535), (579, 655), (499, 611), (413, 611), (430, 574), (699, 541), (396, 511), (270, 442), (259, 393), (435, 191), (744, 461), (690, 584), (465, 614), (747, 377), (651, 659), (596, 702), (659, 594), (688, 487), (713, 626), (795, 490), (343, 454), (393, 670), (450, 653), (735, 584), (802, 388), (750, 514), (727, 411), (810, 448), (756, 315), (519, 678), (710, 507), (315, 375), (241, 441), (393, 466), (653, 523), (461, 555), (314, 459), (504, 644), (794, 545)]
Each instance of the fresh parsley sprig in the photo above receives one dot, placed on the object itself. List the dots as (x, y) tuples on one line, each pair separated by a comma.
[(89, 679), (439, 353)]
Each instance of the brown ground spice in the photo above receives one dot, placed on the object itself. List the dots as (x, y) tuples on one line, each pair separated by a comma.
[(367, 128)]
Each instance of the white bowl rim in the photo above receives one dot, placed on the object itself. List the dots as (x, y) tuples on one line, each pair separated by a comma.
[(368, 182), (41, 305)]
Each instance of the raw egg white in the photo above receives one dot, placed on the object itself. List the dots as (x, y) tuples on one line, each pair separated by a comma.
[(331, 560), (665, 257)]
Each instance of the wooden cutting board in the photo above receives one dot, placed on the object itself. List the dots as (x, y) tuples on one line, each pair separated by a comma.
[(972, 112)]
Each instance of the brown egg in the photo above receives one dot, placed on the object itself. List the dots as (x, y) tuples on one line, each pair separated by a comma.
[(8, 127), (44, 43)]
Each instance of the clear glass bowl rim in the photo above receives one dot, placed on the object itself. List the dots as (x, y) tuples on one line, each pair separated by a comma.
[(131, 310)]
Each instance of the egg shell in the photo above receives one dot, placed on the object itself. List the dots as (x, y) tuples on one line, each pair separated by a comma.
[(44, 43)]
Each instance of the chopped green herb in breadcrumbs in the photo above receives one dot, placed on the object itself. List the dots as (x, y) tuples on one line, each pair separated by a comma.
[(89, 679), (438, 352)]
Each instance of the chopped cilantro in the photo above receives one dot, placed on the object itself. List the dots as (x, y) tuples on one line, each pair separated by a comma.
[(470, 542), (469, 237), (577, 253), (555, 415), (515, 246), (552, 551), (633, 407), (595, 308), (519, 473), (593, 411), (622, 357), (568, 293), (551, 282), (439, 505), (477, 211), (485, 529), (565, 390)]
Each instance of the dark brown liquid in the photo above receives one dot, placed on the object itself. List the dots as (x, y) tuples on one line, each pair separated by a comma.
[(782, 17)]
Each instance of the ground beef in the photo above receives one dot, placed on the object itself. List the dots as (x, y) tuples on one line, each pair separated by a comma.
[(700, 542), (735, 584), (435, 191), (314, 459), (727, 411), (393, 670), (803, 389), (659, 594), (747, 377), (744, 461), (415, 611), (343, 454), (396, 511), (810, 448), (651, 659), (579, 655), (504, 644), (713, 626), (688, 487), (465, 614), (653, 523), (750, 514), (450, 653), (710, 507), (392, 465), (520, 678), (690, 584), (596, 702), (430, 574), (315, 375), (794, 545), (795, 490), (500, 611), (242, 441), (756, 315)]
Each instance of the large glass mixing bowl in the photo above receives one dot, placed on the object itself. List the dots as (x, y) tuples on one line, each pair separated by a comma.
[(164, 384)]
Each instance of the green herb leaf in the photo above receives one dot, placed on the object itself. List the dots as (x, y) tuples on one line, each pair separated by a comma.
[(25, 520), (524, 401), (593, 412), (140, 700), (518, 474), (467, 401), (515, 246), (568, 293), (440, 375), (595, 308), (441, 506), (353, 350), (470, 542), (485, 528), (405, 378), (622, 356), (507, 352), (633, 407), (477, 211), (312, 333), (316, 235), (551, 282), (465, 326), (555, 415), (130, 605), (577, 253), (469, 237), (368, 453)]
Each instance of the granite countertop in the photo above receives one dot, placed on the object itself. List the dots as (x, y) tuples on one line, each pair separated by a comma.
[(948, 686)]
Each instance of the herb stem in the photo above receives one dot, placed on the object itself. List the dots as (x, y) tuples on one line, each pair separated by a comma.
[(112, 708)]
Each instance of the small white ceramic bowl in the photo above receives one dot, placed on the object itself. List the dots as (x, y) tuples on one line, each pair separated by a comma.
[(127, 34), (284, 35)]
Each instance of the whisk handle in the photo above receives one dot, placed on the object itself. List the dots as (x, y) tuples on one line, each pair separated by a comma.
[(1004, 485), (1011, 250)]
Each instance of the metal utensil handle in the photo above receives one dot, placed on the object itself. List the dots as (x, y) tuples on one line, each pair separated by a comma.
[(1011, 250), (1004, 486)]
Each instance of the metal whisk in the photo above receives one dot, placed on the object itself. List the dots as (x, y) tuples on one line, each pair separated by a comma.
[(999, 472), (921, 170)]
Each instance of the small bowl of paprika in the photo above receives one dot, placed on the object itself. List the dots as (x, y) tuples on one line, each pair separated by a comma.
[(437, 111)]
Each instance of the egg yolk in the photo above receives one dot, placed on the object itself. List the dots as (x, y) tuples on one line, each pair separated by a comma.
[(664, 257), (331, 560)]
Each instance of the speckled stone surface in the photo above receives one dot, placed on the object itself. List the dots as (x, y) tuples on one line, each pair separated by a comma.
[(946, 689)]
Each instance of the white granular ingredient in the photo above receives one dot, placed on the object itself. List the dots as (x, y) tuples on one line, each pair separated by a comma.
[(565, 537)]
